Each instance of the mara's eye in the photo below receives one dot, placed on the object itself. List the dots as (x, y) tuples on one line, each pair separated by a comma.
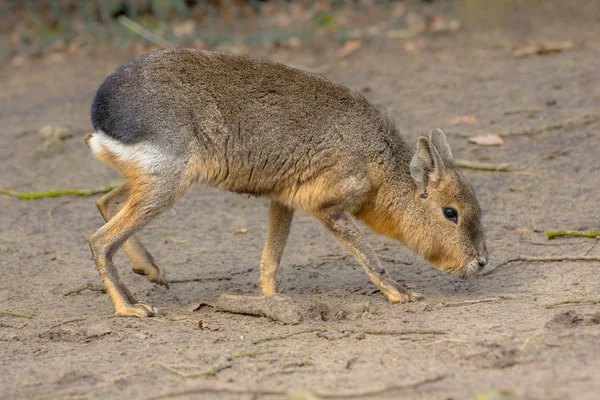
[(450, 213)]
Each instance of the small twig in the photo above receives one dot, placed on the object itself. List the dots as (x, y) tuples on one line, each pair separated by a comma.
[(213, 278), (170, 320), (56, 193), (577, 300), (281, 337), (94, 287), (334, 257), (68, 322), (542, 259), (53, 209), (222, 363), (252, 353), (208, 279), (360, 393), (551, 234), (522, 110), (143, 32), (500, 167), (469, 302), (15, 314), (592, 247), (286, 371), (445, 340), (401, 331), (552, 244)]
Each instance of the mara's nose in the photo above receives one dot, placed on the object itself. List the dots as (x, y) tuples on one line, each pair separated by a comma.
[(482, 261)]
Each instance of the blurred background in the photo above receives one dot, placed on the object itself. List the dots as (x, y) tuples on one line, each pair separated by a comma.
[(54, 27)]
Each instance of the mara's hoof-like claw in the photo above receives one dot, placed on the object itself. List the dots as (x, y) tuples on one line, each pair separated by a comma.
[(137, 310), (397, 293)]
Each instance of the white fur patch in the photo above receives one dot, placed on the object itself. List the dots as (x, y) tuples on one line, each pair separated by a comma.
[(148, 157)]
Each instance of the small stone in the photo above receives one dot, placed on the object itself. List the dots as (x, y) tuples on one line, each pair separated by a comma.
[(55, 132), (140, 335), (360, 336)]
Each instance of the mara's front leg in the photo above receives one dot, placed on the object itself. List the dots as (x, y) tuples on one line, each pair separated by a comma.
[(343, 226), (280, 221)]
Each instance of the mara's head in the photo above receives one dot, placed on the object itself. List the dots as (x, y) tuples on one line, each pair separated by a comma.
[(446, 222)]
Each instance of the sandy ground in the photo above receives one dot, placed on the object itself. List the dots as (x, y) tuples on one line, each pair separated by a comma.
[(510, 346)]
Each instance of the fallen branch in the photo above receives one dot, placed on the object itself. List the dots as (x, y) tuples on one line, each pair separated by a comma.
[(68, 322), (401, 331), (276, 306), (94, 287), (56, 193), (14, 314), (551, 234), (469, 302), (501, 167), (543, 259), (578, 300), (281, 337), (143, 32), (360, 393)]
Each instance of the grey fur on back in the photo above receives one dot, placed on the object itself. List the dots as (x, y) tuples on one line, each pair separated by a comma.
[(259, 123)]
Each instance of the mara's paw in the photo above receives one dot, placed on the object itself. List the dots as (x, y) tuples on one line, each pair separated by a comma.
[(137, 310), (396, 293), (153, 272)]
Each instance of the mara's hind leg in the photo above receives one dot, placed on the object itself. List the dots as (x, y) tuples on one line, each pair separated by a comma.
[(142, 261), (280, 220), (148, 196)]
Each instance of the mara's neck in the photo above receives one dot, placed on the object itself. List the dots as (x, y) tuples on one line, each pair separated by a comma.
[(392, 199), (388, 208)]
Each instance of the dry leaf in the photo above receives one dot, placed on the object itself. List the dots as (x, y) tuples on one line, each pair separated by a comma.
[(54, 58), (18, 60), (465, 119), (350, 47), (521, 230), (544, 47), (410, 46), (488, 139)]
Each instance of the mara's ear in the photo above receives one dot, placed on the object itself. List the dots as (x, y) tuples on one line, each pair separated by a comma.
[(426, 166), (438, 138)]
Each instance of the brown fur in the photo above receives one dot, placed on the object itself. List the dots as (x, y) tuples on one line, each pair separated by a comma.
[(250, 126)]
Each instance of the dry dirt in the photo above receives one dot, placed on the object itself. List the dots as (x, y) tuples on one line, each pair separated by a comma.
[(511, 346)]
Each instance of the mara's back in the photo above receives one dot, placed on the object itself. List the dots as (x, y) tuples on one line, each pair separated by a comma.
[(250, 124)]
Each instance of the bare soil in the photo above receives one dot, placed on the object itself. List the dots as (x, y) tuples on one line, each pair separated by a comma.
[(350, 342)]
